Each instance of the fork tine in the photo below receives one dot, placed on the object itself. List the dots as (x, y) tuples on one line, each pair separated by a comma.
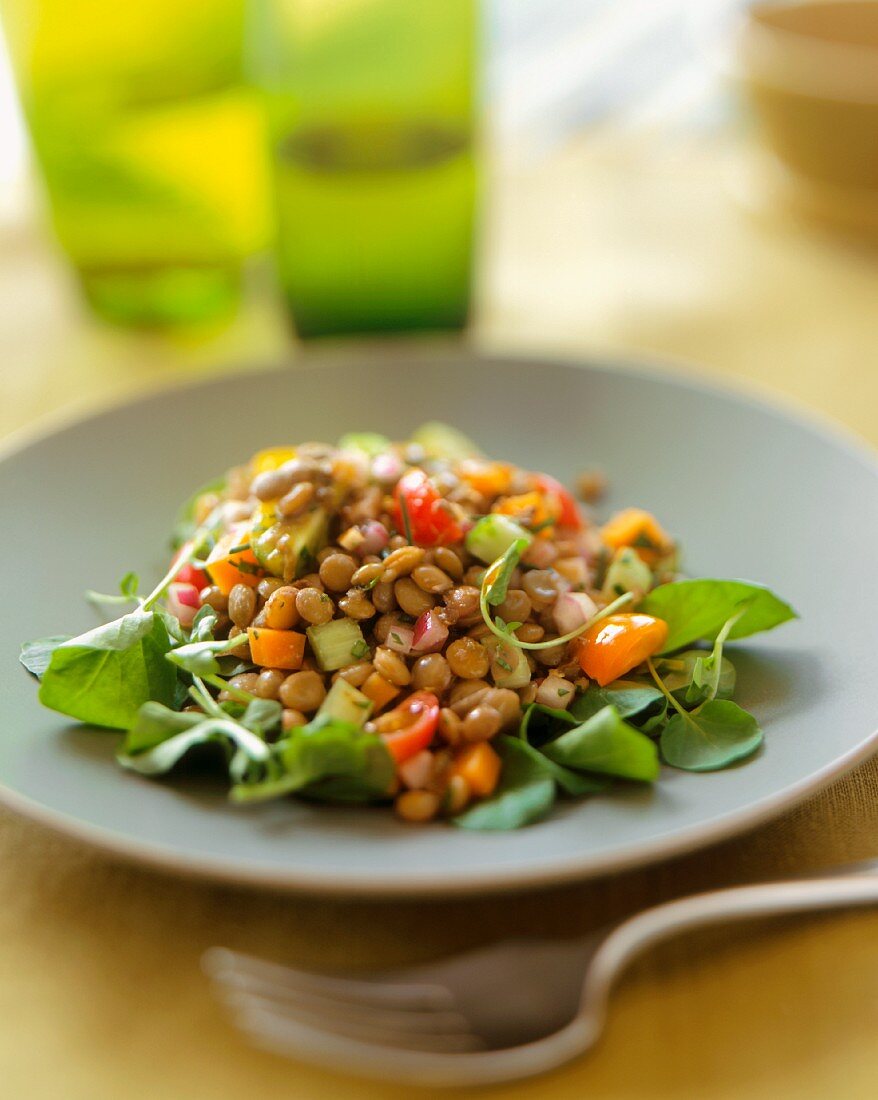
[(260, 1019), (222, 964)]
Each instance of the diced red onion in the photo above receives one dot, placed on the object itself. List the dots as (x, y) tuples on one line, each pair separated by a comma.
[(571, 610), (417, 771), (555, 692), (183, 602), (400, 639), (430, 633), (375, 538), (387, 467)]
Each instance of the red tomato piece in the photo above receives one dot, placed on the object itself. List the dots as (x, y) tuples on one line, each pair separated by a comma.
[(569, 515), (431, 519), (410, 727), (189, 574)]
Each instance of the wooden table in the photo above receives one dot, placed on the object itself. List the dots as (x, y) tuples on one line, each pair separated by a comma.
[(623, 248)]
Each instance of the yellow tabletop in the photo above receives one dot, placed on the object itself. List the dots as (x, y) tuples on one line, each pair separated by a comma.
[(600, 249)]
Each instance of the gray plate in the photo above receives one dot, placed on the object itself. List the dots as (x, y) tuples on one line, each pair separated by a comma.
[(753, 492)]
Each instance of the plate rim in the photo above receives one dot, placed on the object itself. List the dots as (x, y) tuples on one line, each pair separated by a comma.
[(501, 879)]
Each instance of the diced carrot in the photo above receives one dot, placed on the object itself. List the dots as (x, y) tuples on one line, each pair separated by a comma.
[(276, 648), (379, 690), (238, 568), (271, 458), (479, 765), (491, 479), (639, 529)]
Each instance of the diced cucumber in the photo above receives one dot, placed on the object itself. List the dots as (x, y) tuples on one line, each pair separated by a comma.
[(337, 643), (493, 535), (345, 704), (442, 441), (370, 443), (307, 536), (627, 572), (518, 675)]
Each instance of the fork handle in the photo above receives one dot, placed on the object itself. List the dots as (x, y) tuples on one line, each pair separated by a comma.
[(733, 904)]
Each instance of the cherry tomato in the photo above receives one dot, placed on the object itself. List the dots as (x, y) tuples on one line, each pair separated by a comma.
[(430, 517), (189, 574), (569, 515), (615, 645), (409, 728)]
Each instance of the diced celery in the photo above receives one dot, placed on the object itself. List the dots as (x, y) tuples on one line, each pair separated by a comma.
[(493, 535), (370, 443), (442, 441), (306, 537), (337, 643), (627, 572), (345, 704)]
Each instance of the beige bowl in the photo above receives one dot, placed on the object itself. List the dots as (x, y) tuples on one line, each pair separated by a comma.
[(810, 70)]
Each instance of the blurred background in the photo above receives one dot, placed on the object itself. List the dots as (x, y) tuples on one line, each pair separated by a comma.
[(201, 186)]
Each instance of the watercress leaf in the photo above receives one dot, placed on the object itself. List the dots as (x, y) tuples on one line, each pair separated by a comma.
[(164, 755), (630, 698), (104, 676), (129, 585), (200, 658), (698, 609), (606, 743), (203, 625), (495, 592), (262, 715), (571, 782), (329, 760), (35, 656), (155, 723), (172, 625), (540, 724), (713, 737), (526, 792), (684, 676)]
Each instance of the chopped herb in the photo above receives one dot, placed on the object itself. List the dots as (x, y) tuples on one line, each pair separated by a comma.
[(323, 597), (406, 519), (248, 567), (240, 549), (619, 589), (365, 704), (562, 692), (504, 664), (644, 542), (500, 622), (396, 637), (360, 648), (512, 627), (368, 587), (542, 525)]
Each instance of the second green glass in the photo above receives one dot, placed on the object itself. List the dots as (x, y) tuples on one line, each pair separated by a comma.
[(371, 109)]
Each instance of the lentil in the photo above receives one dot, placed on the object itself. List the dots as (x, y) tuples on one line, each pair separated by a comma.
[(481, 723), (391, 666), (357, 605), (400, 562), (410, 598), (297, 500), (337, 571), (281, 612), (431, 673), (468, 659), (268, 682), (431, 579), (242, 605), (303, 691), (314, 606), (417, 806)]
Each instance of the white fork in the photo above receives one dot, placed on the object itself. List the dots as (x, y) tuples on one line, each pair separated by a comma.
[(514, 1009)]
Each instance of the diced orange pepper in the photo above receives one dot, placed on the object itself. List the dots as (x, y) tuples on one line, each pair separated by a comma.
[(271, 458), (491, 479), (276, 648), (615, 645), (639, 529), (480, 766), (379, 690), (535, 507)]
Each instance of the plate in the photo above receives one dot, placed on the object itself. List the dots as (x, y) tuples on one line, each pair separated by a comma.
[(751, 490)]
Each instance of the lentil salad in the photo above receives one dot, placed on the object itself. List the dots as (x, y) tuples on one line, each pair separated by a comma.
[(419, 624)]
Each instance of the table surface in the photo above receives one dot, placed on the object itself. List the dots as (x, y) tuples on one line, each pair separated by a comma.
[(605, 247)]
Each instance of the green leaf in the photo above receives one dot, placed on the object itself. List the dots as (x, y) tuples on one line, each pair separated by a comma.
[(164, 755), (526, 792), (203, 625), (104, 676), (607, 744), (35, 656), (571, 782), (631, 700), (495, 592), (155, 723), (370, 443), (262, 715), (540, 724), (129, 585), (327, 760), (689, 681), (200, 658), (698, 609), (713, 737)]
